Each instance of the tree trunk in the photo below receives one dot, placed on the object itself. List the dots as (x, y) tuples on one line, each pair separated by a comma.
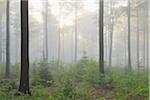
[(24, 77), (76, 33), (144, 43), (111, 34), (147, 32), (101, 44), (0, 40), (45, 38), (63, 46), (7, 73), (138, 63), (129, 37), (59, 37)]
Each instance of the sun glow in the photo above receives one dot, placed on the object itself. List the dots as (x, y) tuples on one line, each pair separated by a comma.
[(59, 11), (69, 19)]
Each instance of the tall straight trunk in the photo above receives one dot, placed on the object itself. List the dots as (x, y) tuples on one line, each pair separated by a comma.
[(24, 77), (76, 32), (106, 45), (111, 34), (63, 46), (144, 44), (7, 73), (59, 36), (129, 37), (147, 32), (138, 38), (46, 30), (43, 52), (17, 38), (59, 45), (101, 43), (72, 46), (0, 40)]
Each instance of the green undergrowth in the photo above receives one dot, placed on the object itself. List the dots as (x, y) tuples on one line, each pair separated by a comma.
[(80, 81)]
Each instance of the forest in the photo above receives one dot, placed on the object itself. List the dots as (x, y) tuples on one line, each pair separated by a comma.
[(74, 49)]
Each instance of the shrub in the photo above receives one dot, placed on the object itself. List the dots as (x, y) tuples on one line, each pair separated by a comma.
[(41, 74), (7, 86), (130, 84)]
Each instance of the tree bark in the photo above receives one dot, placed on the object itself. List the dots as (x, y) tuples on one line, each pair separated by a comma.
[(101, 43), (76, 33), (147, 31), (24, 77), (129, 37), (111, 34), (138, 64), (45, 38), (59, 36), (144, 43), (0, 40), (7, 73)]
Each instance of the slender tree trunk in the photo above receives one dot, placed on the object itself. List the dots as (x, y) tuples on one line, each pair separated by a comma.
[(72, 46), (0, 41), (138, 38), (106, 45), (101, 43), (59, 37), (76, 32), (59, 46), (144, 44), (43, 49), (129, 37), (111, 34), (147, 32), (46, 30), (17, 38), (24, 77), (3, 44), (7, 73), (63, 46)]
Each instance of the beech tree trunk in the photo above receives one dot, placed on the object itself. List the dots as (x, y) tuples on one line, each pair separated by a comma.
[(129, 37), (24, 77), (111, 34), (101, 41), (7, 73), (138, 38)]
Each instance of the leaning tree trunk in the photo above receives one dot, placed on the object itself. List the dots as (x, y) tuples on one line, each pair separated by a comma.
[(7, 73), (24, 77), (101, 43), (129, 37)]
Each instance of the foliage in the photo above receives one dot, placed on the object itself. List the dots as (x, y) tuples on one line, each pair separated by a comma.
[(78, 91), (50, 81), (7, 86), (130, 84), (41, 74)]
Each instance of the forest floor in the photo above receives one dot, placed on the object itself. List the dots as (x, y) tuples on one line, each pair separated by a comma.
[(77, 82), (104, 92)]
